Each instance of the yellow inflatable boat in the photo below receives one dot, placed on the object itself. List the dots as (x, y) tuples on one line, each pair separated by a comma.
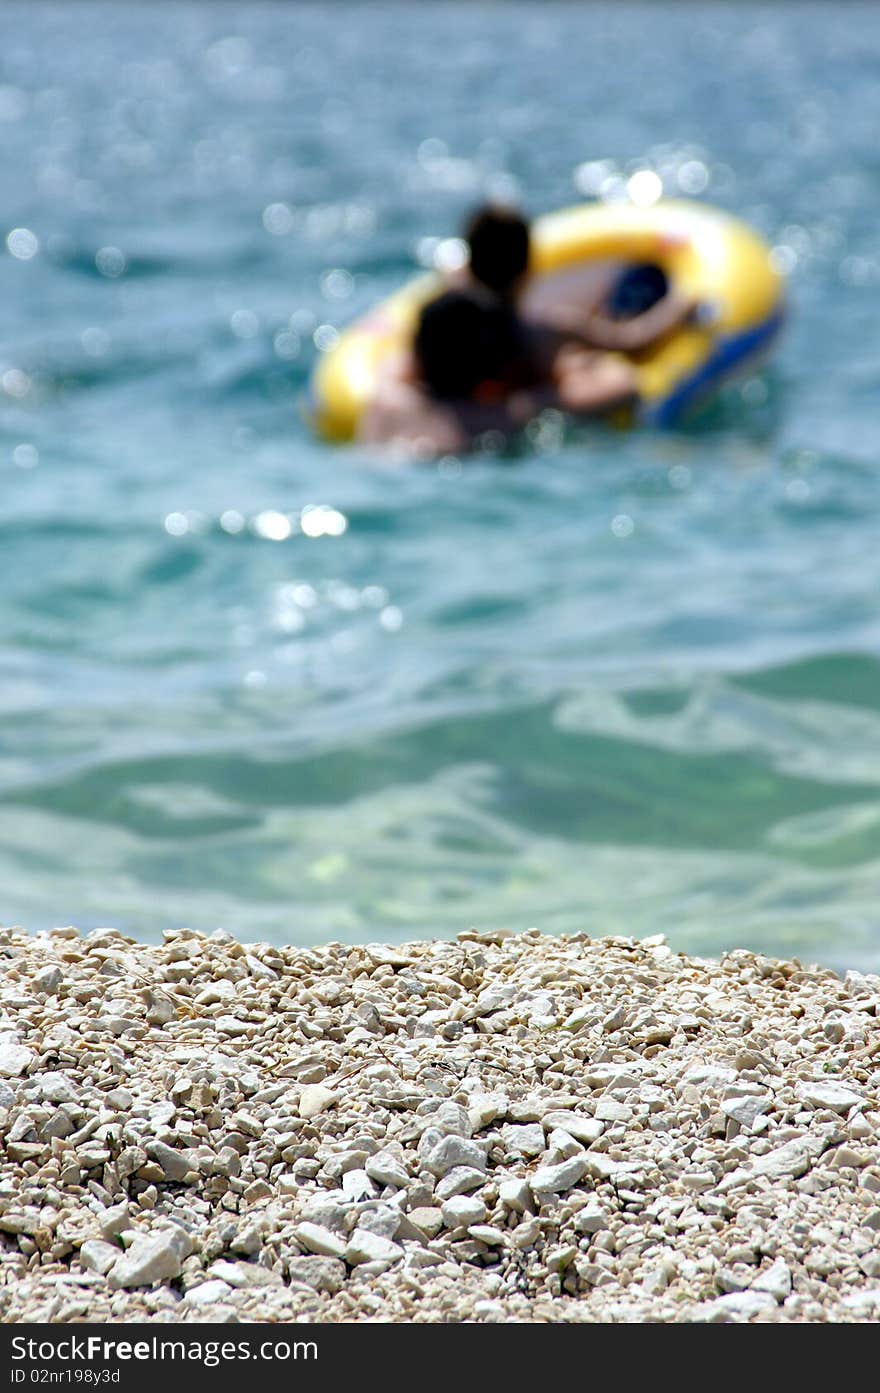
[(704, 252)]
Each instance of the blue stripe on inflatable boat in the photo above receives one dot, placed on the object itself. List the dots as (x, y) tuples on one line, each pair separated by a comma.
[(729, 354)]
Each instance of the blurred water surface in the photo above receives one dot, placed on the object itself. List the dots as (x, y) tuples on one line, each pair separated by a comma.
[(615, 683)]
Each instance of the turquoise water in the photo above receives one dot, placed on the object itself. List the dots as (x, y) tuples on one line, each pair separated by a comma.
[(614, 683)]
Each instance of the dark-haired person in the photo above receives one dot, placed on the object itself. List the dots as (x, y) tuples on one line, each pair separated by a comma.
[(619, 309), (498, 242), (476, 368)]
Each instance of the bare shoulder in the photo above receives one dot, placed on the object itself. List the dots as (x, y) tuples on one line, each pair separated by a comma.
[(402, 416)]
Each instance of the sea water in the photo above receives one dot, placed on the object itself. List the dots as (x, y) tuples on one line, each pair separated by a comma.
[(606, 682)]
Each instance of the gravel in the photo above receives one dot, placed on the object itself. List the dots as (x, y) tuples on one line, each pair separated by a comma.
[(509, 1127)]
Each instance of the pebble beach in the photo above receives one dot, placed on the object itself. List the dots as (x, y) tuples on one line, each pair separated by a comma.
[(507, 1127)]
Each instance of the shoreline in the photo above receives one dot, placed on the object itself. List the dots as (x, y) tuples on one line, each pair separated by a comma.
[(499, 1127)]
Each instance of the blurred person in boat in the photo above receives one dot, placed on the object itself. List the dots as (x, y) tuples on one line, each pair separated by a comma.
[(618, 307), (476, 367), (494, 349)]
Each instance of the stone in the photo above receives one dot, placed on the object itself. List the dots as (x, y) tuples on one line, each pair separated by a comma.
[(737, 1305), (656, 1280), (329, 1208), (863, 1303), (748, 1059), (707, 1077), (153, 1257), (602, 1167), (319, 1273), (364, 1246), (584, 1129), (776, 1280), (319, 1240), (442, 1154), (590, 1219), (727, 1279), (847, 1156), (98, 1256), (554, 1180), (28, 1151), (488, 1234), (462, 1210), (112, 1221), (614, 1020), (792, 1159), (619, 1078), (385, 956), (525, 1140), (256, 1191), (248, 1241), (14, 1057), (609, 1110), (493, 999), (525, 1235), (859, 1128), (459, 1182), (746, 1111), (452, 1120), (175, 1165), (357, 1185), (515, 1194), (698, 1181), (489, 1311), (560, 1258), (49, 979), (232, 1027), (384, 1219), (485, 1108), (561, 1145), (244, 1274), (529, 1109), (161, 1009), (834, 1096), (208, 1293), (314, 1099), (55, 1087), (428, 1219), (246, 1123), (386, 1169), (226, 1162)]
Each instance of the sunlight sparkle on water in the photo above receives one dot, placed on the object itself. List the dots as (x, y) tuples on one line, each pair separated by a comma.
[(26, 456), (644, 188), (322, 521), (337, 284), (15, 382), (22, 243), (274, 526), (325, 338), (278, 219), (110, 261), (287, 344), (244, 324)]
